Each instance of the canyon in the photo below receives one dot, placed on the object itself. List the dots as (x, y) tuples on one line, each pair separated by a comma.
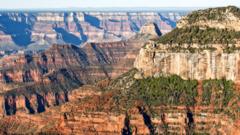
[(45, 79), (39, 30), (89, 63), (91, 110), (180, 82)]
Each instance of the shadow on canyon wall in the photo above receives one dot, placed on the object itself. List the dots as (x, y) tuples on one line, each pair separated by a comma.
[(83, 37), (33, 103), (173, 24), (94, 21), (20, 31), (67, 37)]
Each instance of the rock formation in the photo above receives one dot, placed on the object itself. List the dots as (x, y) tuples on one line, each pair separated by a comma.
[(151, 29), (91, 111), (151, 99), (193, 56), (30, 78), (38, 30)]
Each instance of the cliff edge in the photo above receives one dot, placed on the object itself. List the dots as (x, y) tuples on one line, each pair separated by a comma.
[(196, 49)]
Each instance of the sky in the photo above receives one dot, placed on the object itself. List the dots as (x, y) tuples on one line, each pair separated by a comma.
[(45, 4)]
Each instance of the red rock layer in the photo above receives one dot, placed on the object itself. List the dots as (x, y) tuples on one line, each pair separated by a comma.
[(92, 62), (87, 116)]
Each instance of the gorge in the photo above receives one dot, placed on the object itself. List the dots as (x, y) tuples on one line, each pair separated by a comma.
[(185, 81), (39, 30)]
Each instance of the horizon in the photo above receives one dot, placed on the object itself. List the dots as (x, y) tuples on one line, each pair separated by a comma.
[(109, 9)]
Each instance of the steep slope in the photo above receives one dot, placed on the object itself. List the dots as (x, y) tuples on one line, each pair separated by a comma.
[(128, 105), (152, 99), (92, 61), (63, 68), (196, 50)]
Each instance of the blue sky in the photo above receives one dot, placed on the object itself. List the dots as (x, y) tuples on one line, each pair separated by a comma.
[(33, 4)]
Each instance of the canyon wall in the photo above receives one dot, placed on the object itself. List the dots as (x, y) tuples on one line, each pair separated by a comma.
[(92, 62), (44, 79), (200, 66), (204, 45), (87, 117), (34, 101), (89, 63), (37, 30)]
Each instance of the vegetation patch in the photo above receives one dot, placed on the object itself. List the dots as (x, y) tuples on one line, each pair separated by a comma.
[(174, 91), (171, 90), (220, 92), (217, 14), (195, 34)]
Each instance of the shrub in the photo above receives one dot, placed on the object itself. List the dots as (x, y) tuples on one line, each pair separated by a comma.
[(194, 34)]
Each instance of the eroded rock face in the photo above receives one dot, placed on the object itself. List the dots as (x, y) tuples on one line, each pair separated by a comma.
[(200, 66), (87, 117), (41, 80), (91, 111), (34, 102), (39, 29), (151, 29), (94, 61), (91, 62), (193, 59)]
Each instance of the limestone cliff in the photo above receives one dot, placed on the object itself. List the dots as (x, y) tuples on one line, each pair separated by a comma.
[(195, 50)]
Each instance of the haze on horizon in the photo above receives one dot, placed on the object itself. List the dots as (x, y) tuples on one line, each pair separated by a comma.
[(58, 4)]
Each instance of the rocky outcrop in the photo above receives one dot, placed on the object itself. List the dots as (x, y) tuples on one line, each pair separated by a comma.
[(37, 30), (146, 100), (150, 29), (91, 110), (221, 18), (200, 53), (200, 66), (197, 49), (31, 100)]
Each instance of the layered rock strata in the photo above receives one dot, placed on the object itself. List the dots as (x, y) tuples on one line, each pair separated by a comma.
[(185, 52), (200, 66), (85, 116), (88, 63), (37, 30)]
